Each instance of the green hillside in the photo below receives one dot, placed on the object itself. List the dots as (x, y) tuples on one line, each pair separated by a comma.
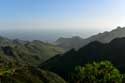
[(27, 52), (18, 61), (13, 73)]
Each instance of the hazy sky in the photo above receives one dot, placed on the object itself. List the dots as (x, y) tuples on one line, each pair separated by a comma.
[(74, 17)]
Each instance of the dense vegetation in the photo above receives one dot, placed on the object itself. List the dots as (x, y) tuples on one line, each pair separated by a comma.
[(16, 73), (97, 72), (25, 52), (19, 60), (101, 72), (94, 51), (86, 65)]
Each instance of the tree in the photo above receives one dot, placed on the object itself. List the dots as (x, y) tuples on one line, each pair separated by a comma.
[(98, 72)]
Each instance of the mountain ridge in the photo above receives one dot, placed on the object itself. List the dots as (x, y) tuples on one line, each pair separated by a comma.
[(94, 51), (77, 42), (27, 52)]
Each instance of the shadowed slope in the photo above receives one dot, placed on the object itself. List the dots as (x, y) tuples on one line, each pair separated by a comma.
[(95, 51)]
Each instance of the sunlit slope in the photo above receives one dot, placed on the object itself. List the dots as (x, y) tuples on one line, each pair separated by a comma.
[(26, 52)]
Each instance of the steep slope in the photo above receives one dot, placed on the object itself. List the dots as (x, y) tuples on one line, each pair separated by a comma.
[(94, 51), (32, 76), (12, 73), (25, 52), (68, 43), (77, 42)]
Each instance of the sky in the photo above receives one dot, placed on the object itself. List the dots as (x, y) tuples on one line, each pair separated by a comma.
[(55, 18)]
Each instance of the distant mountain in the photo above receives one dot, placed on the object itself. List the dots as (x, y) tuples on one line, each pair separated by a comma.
[(68, 43), (94, 51), (27, 52), (77, 42)]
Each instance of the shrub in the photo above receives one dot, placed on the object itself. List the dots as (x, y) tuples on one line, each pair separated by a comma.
[(100, 72)]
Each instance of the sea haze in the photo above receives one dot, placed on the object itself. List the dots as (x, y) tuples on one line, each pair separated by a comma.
[(48, 35)]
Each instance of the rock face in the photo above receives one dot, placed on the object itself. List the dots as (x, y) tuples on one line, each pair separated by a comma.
[(77, 42)]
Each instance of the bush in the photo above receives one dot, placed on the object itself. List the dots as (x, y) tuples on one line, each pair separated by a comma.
[(100, 72)]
